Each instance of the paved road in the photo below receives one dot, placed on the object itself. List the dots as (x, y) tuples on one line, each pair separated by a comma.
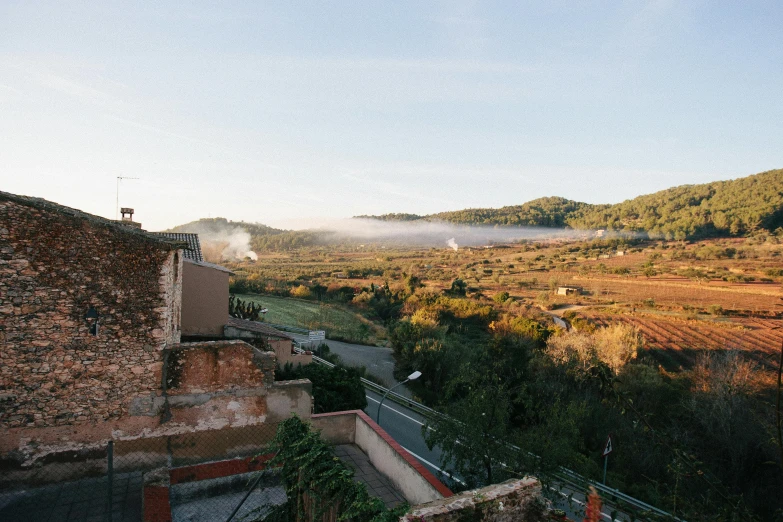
[(378, 361), (405, 426)]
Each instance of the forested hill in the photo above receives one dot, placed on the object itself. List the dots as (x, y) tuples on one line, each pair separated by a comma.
[(719, 208), (542, 212), (219, 226)]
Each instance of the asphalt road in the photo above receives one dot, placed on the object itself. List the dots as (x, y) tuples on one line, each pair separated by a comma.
[(405, 426), (378, 361)]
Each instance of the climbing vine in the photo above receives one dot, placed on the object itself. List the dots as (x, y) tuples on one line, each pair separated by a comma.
[(318, 485)]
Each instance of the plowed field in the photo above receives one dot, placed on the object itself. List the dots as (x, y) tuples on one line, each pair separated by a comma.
[(682, 339)]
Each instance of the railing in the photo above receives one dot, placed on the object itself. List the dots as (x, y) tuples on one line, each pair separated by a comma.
[(565, 475)]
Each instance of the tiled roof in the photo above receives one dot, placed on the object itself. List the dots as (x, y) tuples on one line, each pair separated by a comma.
[(208, 265), (254, 326), (95, 220), (193, 251)]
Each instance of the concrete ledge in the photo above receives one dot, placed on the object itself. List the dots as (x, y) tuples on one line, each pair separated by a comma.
[(407, 474), (514, 500), (223, 468)]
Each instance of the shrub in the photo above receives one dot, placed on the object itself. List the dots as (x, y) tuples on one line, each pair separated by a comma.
[(302, 292), (501, 297)]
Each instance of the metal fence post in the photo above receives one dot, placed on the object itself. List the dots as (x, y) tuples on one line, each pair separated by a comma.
[(110, 481)]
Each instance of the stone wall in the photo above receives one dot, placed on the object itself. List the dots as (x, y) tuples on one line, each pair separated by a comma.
[(511, 501), (55, 263)]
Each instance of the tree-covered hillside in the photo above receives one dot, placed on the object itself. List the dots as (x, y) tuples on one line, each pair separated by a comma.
[(542, 212), (219, 226), (720, 208)]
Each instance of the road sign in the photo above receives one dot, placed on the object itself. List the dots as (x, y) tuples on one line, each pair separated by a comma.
[(317, 335), (608, 448)]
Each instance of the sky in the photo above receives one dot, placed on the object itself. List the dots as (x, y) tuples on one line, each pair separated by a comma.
[(289, 113)]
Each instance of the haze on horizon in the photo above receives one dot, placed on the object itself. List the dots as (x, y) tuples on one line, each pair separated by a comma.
[(290, 112)]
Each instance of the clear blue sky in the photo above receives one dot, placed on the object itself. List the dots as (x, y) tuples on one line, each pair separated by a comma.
[(280, 111)]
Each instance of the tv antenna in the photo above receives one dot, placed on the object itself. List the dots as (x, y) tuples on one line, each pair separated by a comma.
[(117, 207)]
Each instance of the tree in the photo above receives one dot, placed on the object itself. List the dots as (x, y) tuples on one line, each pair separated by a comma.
[(459, 288), (501, 297), (473, 435), (334, 389)]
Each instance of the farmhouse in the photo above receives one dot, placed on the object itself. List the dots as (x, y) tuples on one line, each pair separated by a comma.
[(204, 290), (568, 290), (90, 322)]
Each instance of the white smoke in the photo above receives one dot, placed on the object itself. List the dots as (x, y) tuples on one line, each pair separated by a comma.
[(221, 240), (452, 244)]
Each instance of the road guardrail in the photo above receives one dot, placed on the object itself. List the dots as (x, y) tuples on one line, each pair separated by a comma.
[(564, 474)]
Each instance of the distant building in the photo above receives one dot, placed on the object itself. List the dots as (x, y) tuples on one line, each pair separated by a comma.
[(204, 290), (568, 290)]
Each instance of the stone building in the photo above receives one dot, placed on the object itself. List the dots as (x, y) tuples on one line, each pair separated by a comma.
[(86, 307), (204, 290), (90, 325)]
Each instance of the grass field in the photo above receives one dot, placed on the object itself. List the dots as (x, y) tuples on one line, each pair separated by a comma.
[(339, 324)]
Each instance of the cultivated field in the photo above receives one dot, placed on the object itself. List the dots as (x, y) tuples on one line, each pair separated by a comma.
[(339, 323), (684, 297)]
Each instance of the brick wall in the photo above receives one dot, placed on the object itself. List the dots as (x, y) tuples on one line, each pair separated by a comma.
[(54, 264)]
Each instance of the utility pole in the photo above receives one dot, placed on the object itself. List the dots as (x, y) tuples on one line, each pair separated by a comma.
[(117, 202)]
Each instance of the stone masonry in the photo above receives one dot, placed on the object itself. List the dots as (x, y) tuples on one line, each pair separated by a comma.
[(56, 263)]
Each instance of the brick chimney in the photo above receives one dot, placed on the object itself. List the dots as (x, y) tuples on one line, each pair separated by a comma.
[(127, 218)]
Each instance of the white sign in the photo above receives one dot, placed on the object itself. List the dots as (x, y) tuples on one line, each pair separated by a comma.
[(318, 335), (608, 448)]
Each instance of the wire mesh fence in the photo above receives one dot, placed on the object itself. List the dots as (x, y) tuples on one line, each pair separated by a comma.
[(210, 475)]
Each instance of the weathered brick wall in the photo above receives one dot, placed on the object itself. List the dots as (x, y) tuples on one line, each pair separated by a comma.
[(53, 266)]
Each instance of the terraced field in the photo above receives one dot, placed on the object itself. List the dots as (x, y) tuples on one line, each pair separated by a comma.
[(681, 339)]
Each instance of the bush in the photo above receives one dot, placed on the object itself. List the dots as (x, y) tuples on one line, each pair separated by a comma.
[(501, 297), (334, 389), (302, 292)]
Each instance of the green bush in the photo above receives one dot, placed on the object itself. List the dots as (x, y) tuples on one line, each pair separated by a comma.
[(334, 389)]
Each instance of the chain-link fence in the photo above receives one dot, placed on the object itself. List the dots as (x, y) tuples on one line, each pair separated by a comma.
[(211, 475)]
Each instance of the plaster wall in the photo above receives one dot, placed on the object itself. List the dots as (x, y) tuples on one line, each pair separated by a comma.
[(283, 348), (386, 459), (204, 300)]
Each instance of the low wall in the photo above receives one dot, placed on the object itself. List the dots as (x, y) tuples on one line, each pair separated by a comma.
[(284, 350), (413, 480), (511, 501)]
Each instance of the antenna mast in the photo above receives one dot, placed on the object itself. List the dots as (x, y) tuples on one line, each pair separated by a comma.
[(117, 203)]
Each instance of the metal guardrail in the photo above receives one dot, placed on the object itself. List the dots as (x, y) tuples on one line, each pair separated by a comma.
[(564, 474)]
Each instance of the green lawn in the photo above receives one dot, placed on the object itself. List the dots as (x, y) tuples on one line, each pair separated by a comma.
[(340, 324)]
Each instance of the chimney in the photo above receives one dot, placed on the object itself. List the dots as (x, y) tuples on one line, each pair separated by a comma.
[(127, 218)]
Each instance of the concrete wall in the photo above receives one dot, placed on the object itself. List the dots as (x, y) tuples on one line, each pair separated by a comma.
[(54, 264), (204, 299), (390, 459), (412, 479), (284, 350)]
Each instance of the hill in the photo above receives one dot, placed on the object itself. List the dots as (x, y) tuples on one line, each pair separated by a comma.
[(219, 226), (721, 208)]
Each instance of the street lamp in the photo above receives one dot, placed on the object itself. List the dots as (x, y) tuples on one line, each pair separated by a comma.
[(412, 377)]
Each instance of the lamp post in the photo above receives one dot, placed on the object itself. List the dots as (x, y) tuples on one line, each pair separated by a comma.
[(412, 377)]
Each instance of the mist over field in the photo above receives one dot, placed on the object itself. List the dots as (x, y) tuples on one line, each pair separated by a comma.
[(442, 234)]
